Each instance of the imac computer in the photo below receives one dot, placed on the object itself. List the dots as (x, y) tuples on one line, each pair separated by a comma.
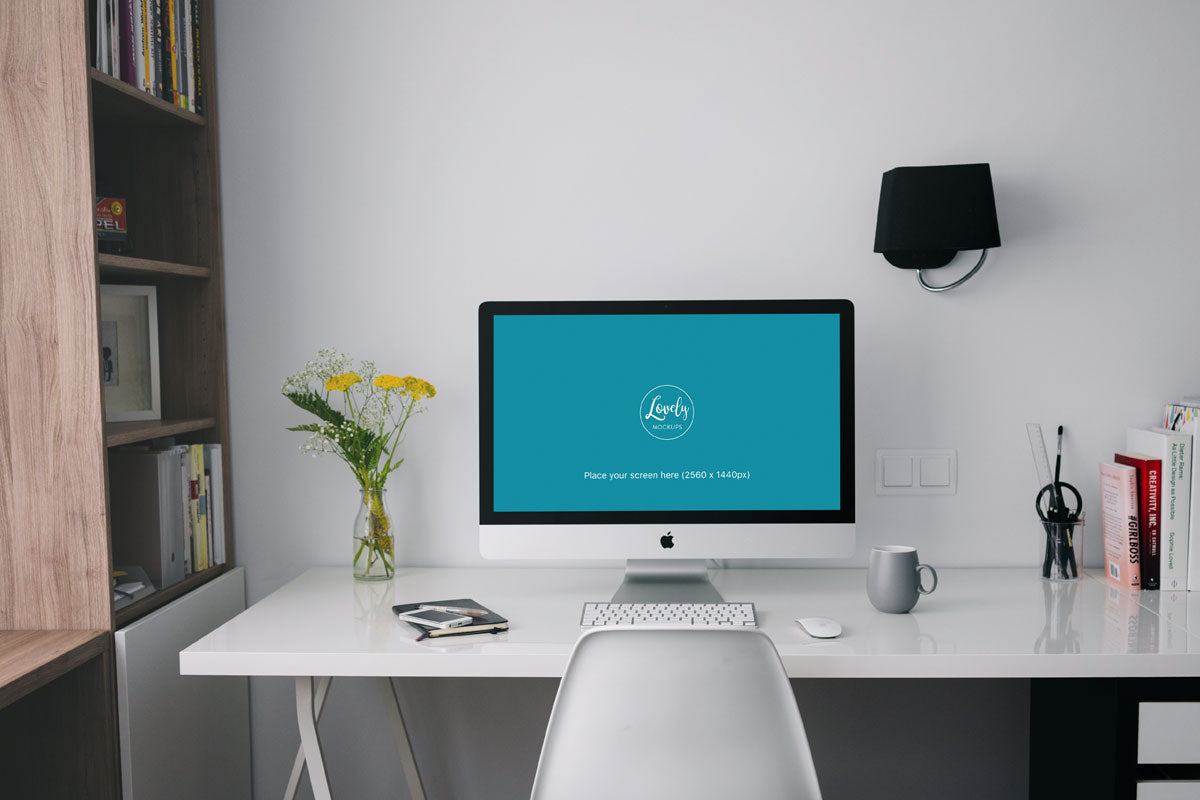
[(666, 434)]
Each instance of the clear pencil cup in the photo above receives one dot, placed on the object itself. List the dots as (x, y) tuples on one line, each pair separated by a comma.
[(1062, 550)]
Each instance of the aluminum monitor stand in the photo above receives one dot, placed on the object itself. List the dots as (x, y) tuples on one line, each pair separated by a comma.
[(666, 580)]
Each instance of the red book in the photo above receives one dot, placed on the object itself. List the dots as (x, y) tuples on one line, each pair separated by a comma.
[(1148, 472)]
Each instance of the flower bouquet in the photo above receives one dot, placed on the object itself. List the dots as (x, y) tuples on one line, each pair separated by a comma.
[(365, 433)]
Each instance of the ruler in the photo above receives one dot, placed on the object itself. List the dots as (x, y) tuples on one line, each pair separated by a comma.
[(1041, 459)]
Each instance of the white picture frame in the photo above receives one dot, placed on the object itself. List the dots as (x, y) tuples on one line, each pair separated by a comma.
[(129, 352)]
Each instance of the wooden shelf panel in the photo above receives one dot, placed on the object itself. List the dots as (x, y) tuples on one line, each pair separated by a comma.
[(114, 100), (118, 433), (140, 608), (31, 659), (124, 266)]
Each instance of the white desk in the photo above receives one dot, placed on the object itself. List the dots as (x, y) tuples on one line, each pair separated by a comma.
[(978, 624)]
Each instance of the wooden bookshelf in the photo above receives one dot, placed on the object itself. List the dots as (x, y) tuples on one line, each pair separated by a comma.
[(70, 133)]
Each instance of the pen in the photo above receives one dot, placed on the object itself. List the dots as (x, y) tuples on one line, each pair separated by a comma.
[(466, 612)]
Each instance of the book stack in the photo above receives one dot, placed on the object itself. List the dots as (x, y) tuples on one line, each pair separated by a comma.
[(1150, 486), (153, 45), (168, 510)]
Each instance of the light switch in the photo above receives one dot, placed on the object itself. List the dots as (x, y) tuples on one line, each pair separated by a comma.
[(916, 472), (935, 471), (897, 471)]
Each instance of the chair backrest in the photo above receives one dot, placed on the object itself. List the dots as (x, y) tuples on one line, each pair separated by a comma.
[(690, 713)]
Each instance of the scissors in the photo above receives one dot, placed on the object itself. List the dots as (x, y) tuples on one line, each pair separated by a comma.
[(1059, 521)]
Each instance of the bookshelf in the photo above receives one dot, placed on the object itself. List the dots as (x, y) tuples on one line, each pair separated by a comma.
[(162, 160), (70, 133)]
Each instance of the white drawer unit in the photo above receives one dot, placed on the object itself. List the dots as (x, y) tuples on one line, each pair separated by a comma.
[(1168, 733), (185, 737), (1168, 790)]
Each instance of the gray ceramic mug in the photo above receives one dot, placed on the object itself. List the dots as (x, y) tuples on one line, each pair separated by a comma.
[(894, 578)]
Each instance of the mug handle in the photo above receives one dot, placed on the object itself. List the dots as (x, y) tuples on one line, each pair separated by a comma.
[(920, 586)]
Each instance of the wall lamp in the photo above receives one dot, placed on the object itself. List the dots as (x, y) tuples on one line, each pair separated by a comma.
[(928, 214)]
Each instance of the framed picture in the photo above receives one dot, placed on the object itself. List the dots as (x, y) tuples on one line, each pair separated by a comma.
[(129, 352)]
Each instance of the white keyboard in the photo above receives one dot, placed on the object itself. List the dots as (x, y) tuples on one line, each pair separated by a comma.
[(679, 615)]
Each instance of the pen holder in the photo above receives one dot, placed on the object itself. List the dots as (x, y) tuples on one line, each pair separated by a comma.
[(1062, 550)]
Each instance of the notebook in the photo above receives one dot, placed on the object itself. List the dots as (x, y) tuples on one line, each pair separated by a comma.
[(491, 623)]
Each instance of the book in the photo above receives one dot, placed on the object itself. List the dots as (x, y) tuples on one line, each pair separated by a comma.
[(1119, 524), (162, 48), (1178, 504), (214, 469), (128, 74), (171, 26), (183, 460), (146, 513), (143, 49), (198, 509), (490, 623), (1148, 473), (189, 69), (197, 62)]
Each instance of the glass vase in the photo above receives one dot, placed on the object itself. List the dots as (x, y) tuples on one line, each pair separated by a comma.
[(374, 545)]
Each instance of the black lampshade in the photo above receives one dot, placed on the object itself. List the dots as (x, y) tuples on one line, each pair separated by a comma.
[(927, 214)]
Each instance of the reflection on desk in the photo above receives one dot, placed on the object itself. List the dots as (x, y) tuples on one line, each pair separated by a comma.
[(980, 623)]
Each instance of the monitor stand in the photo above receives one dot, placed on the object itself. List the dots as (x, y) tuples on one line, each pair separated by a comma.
[(666, 580)]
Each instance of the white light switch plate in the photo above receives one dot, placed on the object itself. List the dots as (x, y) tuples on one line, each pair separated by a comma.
[(916, 471)]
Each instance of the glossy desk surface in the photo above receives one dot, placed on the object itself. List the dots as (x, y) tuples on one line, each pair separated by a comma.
[(980, 623)]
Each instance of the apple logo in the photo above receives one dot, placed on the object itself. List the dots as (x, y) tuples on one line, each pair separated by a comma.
[(667, 541)]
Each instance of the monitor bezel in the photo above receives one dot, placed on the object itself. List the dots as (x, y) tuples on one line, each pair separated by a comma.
[(489, 310)]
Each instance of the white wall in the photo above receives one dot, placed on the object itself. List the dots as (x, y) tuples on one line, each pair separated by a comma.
[(389, 165)]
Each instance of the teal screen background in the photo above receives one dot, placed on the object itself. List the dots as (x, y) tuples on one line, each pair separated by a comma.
[(567, 400)]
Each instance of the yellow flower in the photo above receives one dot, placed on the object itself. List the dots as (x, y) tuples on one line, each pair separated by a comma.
[(340, 383), (416, 388), (388, 382)]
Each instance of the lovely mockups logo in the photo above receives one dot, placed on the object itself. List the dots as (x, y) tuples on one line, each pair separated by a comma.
[(667, 412)]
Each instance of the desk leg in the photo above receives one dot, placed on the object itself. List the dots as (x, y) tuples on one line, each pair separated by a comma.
[(411, 776), (306, 717), (298, 764)]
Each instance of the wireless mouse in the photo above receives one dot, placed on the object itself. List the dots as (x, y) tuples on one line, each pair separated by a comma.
[(820, 627)]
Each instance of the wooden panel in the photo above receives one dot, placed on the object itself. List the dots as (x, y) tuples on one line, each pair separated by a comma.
[(116, 101), (118, 433), (130, 267), (58, 742), (53, 537), (31, 659)]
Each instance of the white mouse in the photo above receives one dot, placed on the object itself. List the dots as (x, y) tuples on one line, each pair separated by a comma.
[(820, 627)]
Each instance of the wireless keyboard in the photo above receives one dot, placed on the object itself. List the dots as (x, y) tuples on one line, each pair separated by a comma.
[(679, 615)]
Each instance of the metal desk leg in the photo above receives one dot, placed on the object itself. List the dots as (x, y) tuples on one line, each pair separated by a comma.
[(298, 764), (411, 776), (306, 717)]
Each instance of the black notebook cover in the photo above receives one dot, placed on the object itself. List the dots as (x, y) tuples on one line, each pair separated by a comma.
[(491, 623)]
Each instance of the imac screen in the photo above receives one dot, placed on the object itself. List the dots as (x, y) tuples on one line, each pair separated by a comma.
[(722, 411)]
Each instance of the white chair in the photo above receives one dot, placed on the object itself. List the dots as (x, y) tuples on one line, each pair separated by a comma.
[(675, 713)]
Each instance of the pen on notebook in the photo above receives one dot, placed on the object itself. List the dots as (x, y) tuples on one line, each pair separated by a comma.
[(466, 612)]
